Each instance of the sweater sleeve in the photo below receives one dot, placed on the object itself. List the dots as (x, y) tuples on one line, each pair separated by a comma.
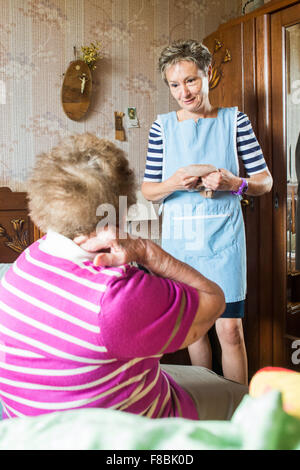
[(154, 161), (248, 148), (144, 315)]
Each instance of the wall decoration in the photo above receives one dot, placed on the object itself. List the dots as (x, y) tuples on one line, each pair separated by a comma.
[(217, 71), (91, 54), (120, 133), (132, 119), (76, 90), (77, 85)]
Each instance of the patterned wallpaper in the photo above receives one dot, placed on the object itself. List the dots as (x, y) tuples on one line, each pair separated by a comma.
[(37, 38)]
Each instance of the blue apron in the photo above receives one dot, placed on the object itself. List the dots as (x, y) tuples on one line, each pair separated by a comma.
[(207, 234)]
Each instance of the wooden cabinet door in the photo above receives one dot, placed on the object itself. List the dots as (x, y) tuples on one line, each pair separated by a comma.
[(285, 335), (226, 88)]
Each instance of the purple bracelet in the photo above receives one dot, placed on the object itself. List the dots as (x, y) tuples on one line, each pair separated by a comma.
[(242, 189)]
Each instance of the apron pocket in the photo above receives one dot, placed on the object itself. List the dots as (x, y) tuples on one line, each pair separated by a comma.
[(206, 234)]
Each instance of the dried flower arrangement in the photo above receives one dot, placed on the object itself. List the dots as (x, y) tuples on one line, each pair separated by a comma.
[(91, 54)]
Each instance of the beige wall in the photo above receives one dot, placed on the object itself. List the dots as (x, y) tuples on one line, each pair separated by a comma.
[(36, 46)]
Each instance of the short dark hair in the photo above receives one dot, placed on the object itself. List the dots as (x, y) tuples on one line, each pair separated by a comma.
[(190, 50)]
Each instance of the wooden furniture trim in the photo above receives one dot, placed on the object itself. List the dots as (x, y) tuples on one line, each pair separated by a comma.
[(268, 8), (264, 132), (15, 225), (251, 212), (10, 200), (17, 229), (37, 234)]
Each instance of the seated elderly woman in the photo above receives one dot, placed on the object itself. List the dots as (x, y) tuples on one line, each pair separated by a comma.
[(80, 329)]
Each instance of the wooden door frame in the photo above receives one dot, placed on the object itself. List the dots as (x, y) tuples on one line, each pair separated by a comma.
[(264, 132)]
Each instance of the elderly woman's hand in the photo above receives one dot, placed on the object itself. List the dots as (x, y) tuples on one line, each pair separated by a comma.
[(221, 180), (113, 248)]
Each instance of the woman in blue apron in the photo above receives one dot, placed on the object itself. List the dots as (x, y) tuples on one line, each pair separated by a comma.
[(197, 146)]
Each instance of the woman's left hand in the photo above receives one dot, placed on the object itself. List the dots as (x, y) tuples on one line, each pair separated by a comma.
[(221, 180)]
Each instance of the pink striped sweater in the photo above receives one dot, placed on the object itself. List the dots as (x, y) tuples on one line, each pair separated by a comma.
[(73, 335)]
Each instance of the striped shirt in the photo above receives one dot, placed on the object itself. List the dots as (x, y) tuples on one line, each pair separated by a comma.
[(248, 149), (73, 335)]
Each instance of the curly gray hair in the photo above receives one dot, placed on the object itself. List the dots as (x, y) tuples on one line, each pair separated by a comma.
[(190, 50), (71, 181)]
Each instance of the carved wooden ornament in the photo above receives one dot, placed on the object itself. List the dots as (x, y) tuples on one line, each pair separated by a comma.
[(19, 241), (217, 69), (120, 133), (76, 90)]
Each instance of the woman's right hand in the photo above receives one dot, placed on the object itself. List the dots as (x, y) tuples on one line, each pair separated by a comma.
[(182, 181), (113, 248)]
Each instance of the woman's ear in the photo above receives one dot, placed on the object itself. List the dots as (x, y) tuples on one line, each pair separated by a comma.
[(209, 72)]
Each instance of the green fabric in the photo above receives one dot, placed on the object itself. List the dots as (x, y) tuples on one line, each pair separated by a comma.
[(258, 423)]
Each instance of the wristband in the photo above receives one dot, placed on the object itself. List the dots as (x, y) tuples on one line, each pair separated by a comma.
[(242, 189)]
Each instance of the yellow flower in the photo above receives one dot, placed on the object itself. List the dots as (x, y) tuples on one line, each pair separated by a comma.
[(91, 54)]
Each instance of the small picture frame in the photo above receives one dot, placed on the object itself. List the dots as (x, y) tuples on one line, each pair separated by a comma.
[(131, 115)]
